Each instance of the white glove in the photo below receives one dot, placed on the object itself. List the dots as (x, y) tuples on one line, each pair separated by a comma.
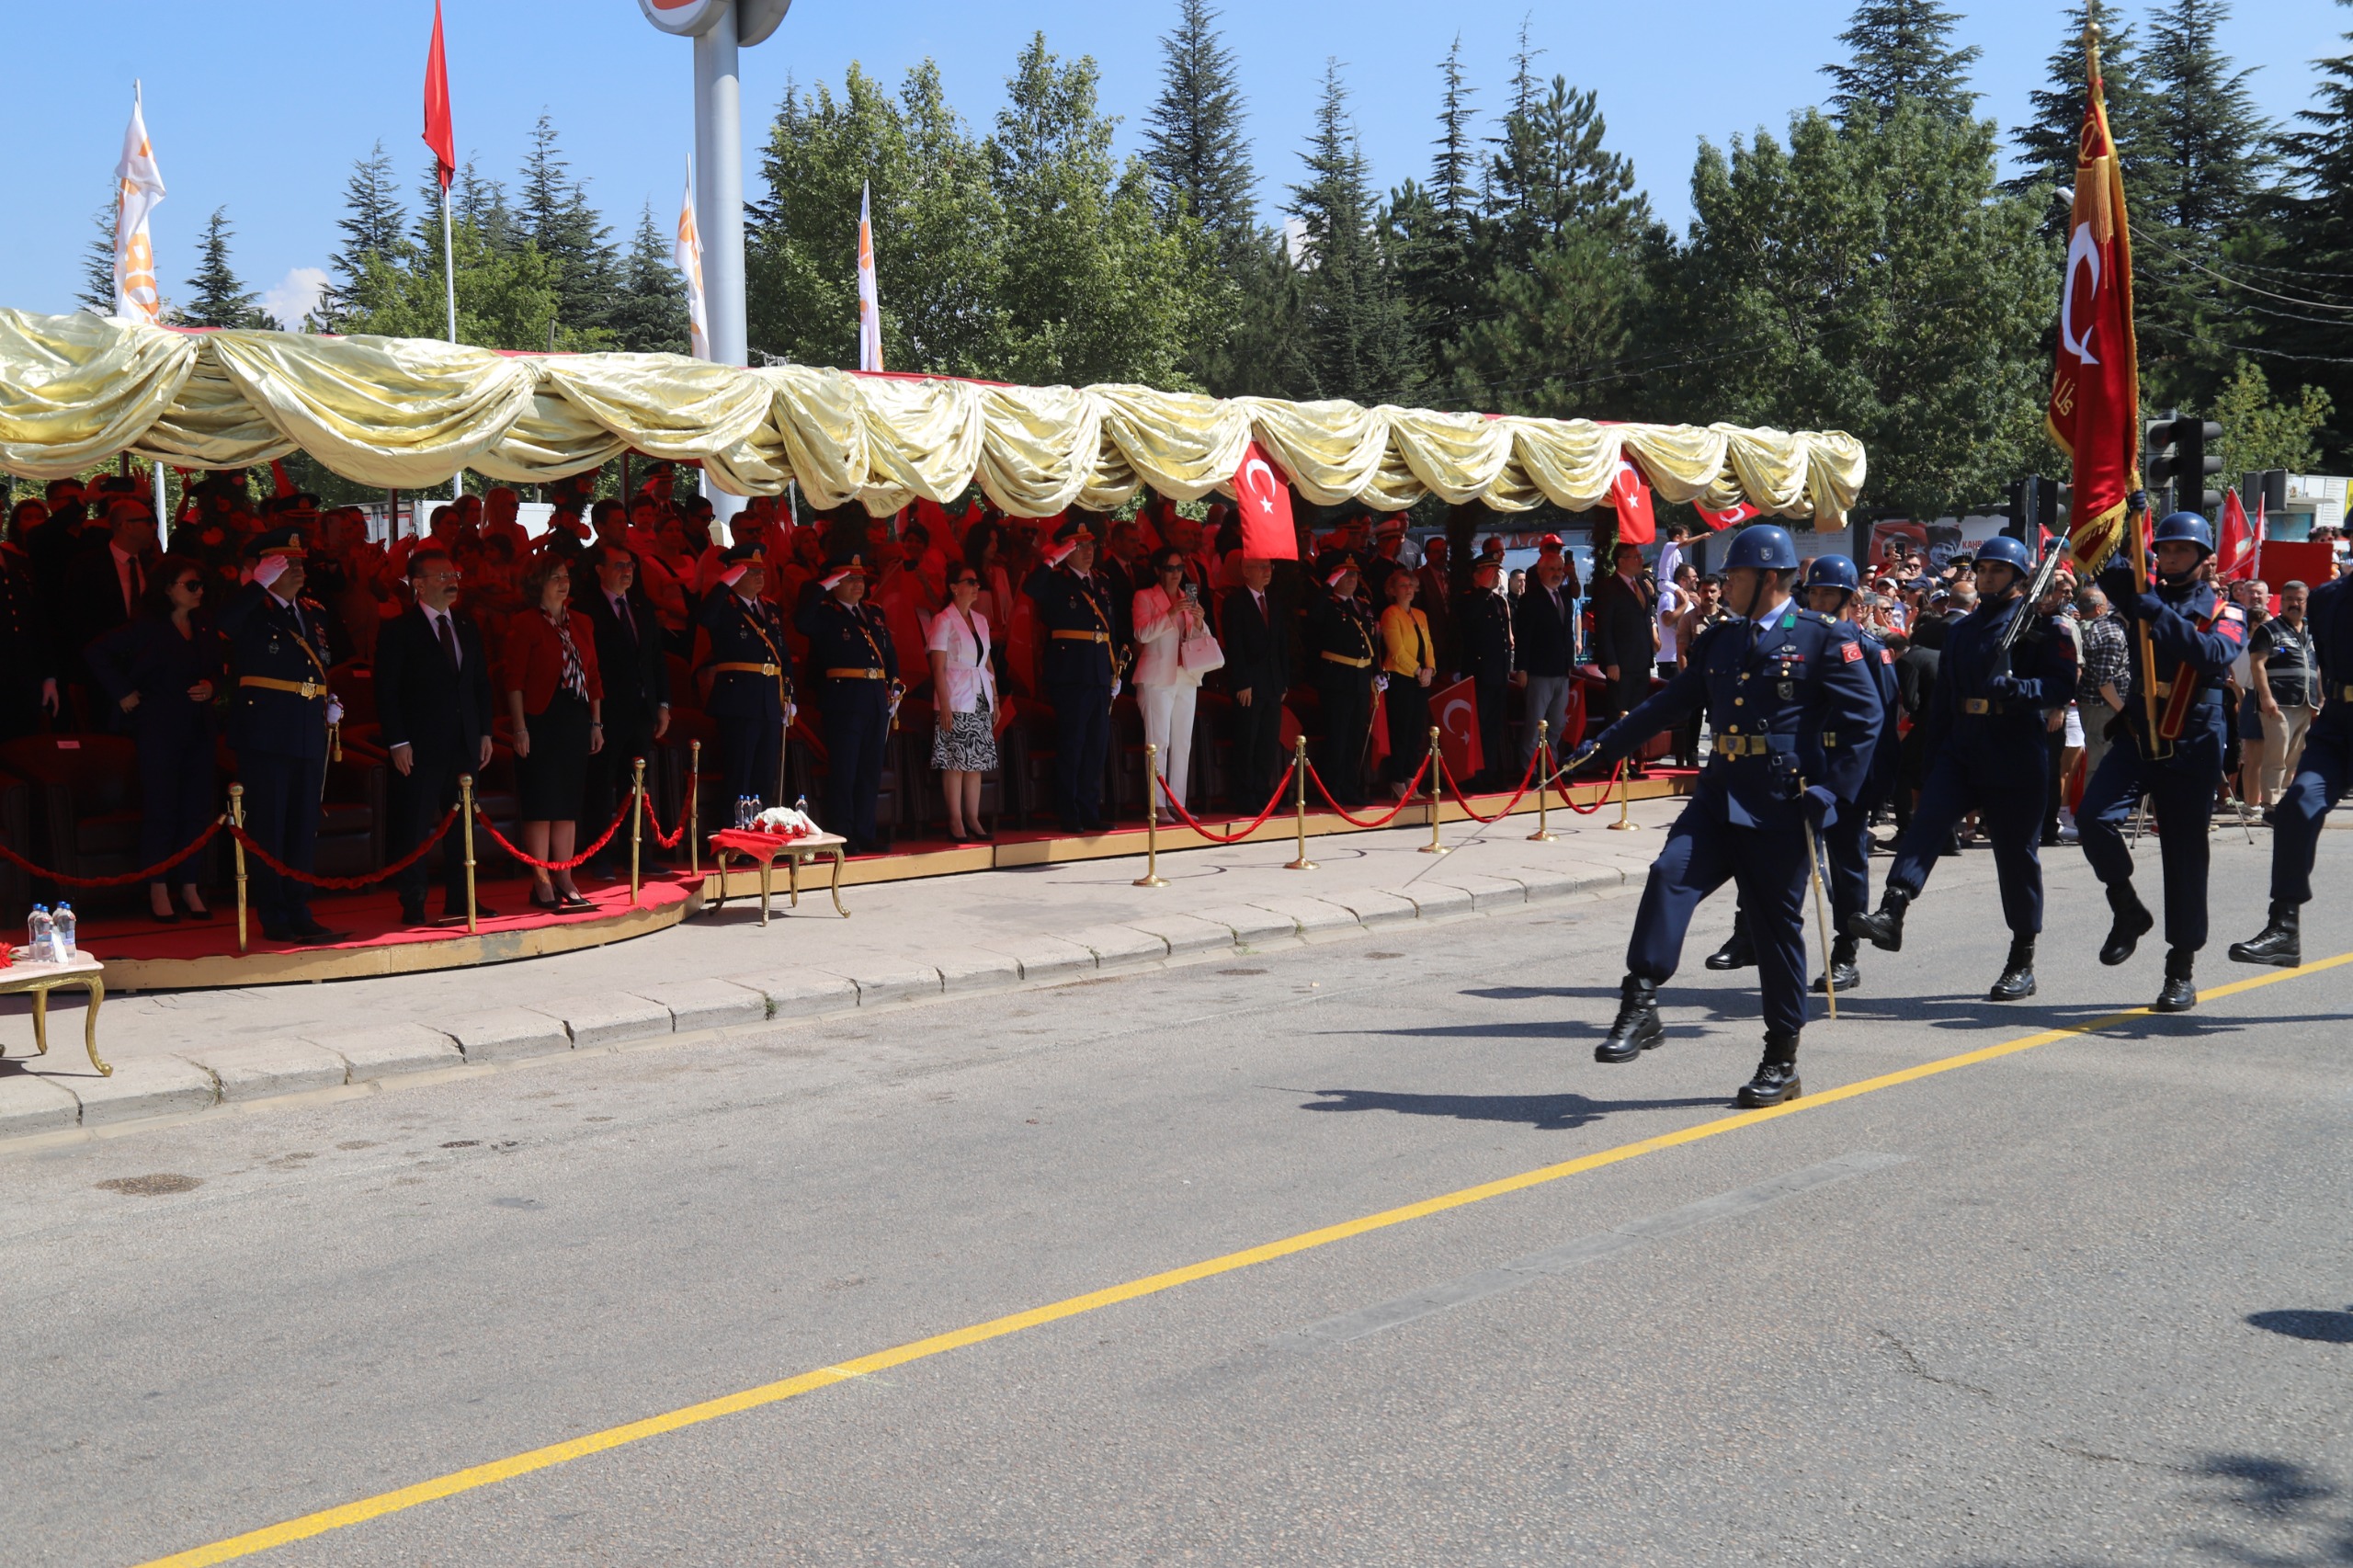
[(335, 709), (268, 569)]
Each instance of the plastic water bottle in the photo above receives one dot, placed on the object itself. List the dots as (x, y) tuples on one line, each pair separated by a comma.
[(62, 933), (41, 935)]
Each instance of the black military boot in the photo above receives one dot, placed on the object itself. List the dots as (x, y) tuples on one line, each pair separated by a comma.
[(1637, 1029), (1738, 951), (1777, 1075), (1883, 926), (2133, 921), (2179, 992), (1841, 972), (2280, 943), (2017, 972)]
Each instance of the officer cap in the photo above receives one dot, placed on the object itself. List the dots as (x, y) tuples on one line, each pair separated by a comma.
[(1074, 531), (1833, 571), (1332, 565), (275, 542), (1763, 546), (1391, 527), (839, 568), (746, 550), (2002, 550), (1486, 564), (2187, 527)]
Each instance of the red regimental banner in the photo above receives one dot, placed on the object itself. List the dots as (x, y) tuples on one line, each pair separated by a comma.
[(2095, 410)]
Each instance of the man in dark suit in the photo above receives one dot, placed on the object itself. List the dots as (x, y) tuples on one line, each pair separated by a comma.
[(106, 576), (1624, 612), (433, 701), (637, 682), (1483, 617), (1258, 674), (1544, 637)]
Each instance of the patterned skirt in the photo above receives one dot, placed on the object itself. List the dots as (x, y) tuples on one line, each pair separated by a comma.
[(968, 744)]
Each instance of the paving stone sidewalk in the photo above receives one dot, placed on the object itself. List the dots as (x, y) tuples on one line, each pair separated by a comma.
[(905, 941)]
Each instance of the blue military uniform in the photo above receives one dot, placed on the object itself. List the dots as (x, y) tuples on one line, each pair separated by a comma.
[(2322, 775), (278, 727), (1079, 668), (1847, 842), (751, 687), (851, 661), (2194, 635), (1796, 711), (1344, 644)]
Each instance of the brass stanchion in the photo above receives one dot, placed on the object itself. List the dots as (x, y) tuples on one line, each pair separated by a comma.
[(1298, 771), (1624, 823), (1436, 765), (636, 823), (1152, 877), (237, 820), (1544, 833), (694, 770), (466, 828)]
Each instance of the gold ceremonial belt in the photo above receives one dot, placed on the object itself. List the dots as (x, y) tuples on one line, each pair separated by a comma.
[(2344, 694), (1742, 745), (1982, 705), (1082, 637), (299, 687), (753, 669), (848, 675), (1344, 659)]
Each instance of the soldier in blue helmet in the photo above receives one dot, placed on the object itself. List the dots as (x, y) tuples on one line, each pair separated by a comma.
[(1831, 586), (2193, 635), (2321, 774), (1795, 710), (1986, 753)]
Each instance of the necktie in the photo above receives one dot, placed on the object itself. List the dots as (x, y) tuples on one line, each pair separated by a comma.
[(621, 614), (448, 639)]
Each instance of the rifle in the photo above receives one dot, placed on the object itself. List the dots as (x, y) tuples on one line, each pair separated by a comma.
[(2046, 572)]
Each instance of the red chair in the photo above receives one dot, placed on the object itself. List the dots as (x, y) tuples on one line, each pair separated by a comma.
[(84, 794)]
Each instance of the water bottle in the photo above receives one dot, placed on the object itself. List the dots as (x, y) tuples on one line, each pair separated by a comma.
[(39, 935), (62, 932)]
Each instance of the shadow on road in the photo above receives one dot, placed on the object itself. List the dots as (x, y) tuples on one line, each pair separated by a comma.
[(2306, 1323), (1546, 1113), (2296, 1514)]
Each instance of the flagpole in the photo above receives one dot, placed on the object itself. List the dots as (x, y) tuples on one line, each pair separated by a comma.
[(449, 279)]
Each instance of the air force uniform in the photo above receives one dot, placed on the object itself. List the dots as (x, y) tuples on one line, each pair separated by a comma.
[(851, 661), (2321, 776), (278, 726)]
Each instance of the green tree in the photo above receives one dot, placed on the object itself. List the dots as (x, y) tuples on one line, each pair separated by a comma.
[(218, 296), (1437, 225), (1355, 340), (2316, 270), (1900, 50), (97, 293), (648, 313), (2259, 432), (1193, 140), (552, 210), (506, 295), (2046, 142), (373, 223)]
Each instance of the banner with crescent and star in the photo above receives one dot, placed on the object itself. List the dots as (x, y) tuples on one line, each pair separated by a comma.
[(2095, 410), (1263, 497)]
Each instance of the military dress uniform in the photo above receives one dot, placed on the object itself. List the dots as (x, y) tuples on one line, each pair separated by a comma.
[(1078, 663), (2195, 635), (2321, 776), (1796, 712), (750, 689), (1482, 623), (278, 727), (1342, 641), (1987, 752), (851, 664)]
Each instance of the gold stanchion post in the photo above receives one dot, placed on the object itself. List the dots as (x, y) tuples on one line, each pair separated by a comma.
[(1436, 765), (1625, 824), (694, 771), (1544, 833), (1152, 877), (237, 820), (1299, 772), (636, 823), (466, 842)]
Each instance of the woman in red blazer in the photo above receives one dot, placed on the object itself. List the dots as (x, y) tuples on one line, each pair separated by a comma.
[(556, 704)]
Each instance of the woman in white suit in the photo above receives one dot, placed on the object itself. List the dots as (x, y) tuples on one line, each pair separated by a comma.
[(963, 702), (1168, 618)]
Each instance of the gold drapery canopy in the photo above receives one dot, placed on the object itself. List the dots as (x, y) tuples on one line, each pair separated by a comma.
[(409, 413)]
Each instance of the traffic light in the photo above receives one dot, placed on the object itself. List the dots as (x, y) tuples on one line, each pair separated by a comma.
[(2034, 509), (2275, 491), (2195, 440), (2159, 462)]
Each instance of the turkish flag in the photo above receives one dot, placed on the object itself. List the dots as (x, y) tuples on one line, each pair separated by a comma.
[(1263, 497), (2095, 407), (2235, 559), (1630, 494), (1376, 741), (440, 134), (1738, 512), (1455, 711)]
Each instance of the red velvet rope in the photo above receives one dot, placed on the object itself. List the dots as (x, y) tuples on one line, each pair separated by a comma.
[(1464, 802), (343, 884), (145, 874), (654, 825), (1560, 788), (1190, 820), (1411, 786), (580, 859)]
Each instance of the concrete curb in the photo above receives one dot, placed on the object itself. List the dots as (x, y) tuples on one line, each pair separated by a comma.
[(40, 1105)]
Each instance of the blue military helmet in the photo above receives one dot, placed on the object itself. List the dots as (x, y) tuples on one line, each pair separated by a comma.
[(1763, 548), (2187, 528), (1833, 571), (2004, 550)]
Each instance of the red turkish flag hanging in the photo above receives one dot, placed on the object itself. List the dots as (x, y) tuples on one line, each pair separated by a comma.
[(2235, 559), (1265, 502), (440, 134), (2095, 409), (1455, 711), (1630, 494)]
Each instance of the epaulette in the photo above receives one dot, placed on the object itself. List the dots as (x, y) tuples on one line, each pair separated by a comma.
[(1821, 620)]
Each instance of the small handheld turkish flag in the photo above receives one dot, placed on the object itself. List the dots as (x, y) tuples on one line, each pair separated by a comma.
[(1738, 512), (1265, 502), (1455, 709), (1630, 494), (440, 134), (2235, 560)]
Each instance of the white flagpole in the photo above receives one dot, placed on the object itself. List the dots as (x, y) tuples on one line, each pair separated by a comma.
[(450, 277)]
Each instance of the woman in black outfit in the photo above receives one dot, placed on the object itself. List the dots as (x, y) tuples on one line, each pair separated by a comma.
[(164, 670)]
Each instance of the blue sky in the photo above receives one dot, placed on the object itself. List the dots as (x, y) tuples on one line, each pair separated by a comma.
[(261, 105)]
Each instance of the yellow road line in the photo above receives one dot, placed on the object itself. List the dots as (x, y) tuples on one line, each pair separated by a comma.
[(507, 1468)]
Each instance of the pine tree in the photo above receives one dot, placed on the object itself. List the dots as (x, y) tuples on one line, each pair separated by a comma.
[(373, 221), (1899, 51), (2046, 143), (2317, 264), (1437, 223), (218, 296), (97, 294), (649, 313), (1193, 141), (1355, 340), (553, 212)]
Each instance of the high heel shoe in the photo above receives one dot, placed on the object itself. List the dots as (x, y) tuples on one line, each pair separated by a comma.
[(168, 917), (553, 901)]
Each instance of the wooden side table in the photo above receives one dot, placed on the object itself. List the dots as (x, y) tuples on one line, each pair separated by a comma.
[(36, 980), (765, 849)]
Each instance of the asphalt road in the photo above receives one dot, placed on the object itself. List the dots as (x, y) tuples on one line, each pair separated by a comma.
[(2085, 1302)]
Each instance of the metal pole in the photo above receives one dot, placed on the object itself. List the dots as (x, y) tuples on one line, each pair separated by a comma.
[(719, 204), (237, 820), (450, 277), (1625, 823), (1434, 847), (636, 824), (1298, 771), (1152, 877), (694, 788), (466, 828), (1543, 835)]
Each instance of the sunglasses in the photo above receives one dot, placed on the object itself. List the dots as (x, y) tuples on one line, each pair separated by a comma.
[(191, 585)]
